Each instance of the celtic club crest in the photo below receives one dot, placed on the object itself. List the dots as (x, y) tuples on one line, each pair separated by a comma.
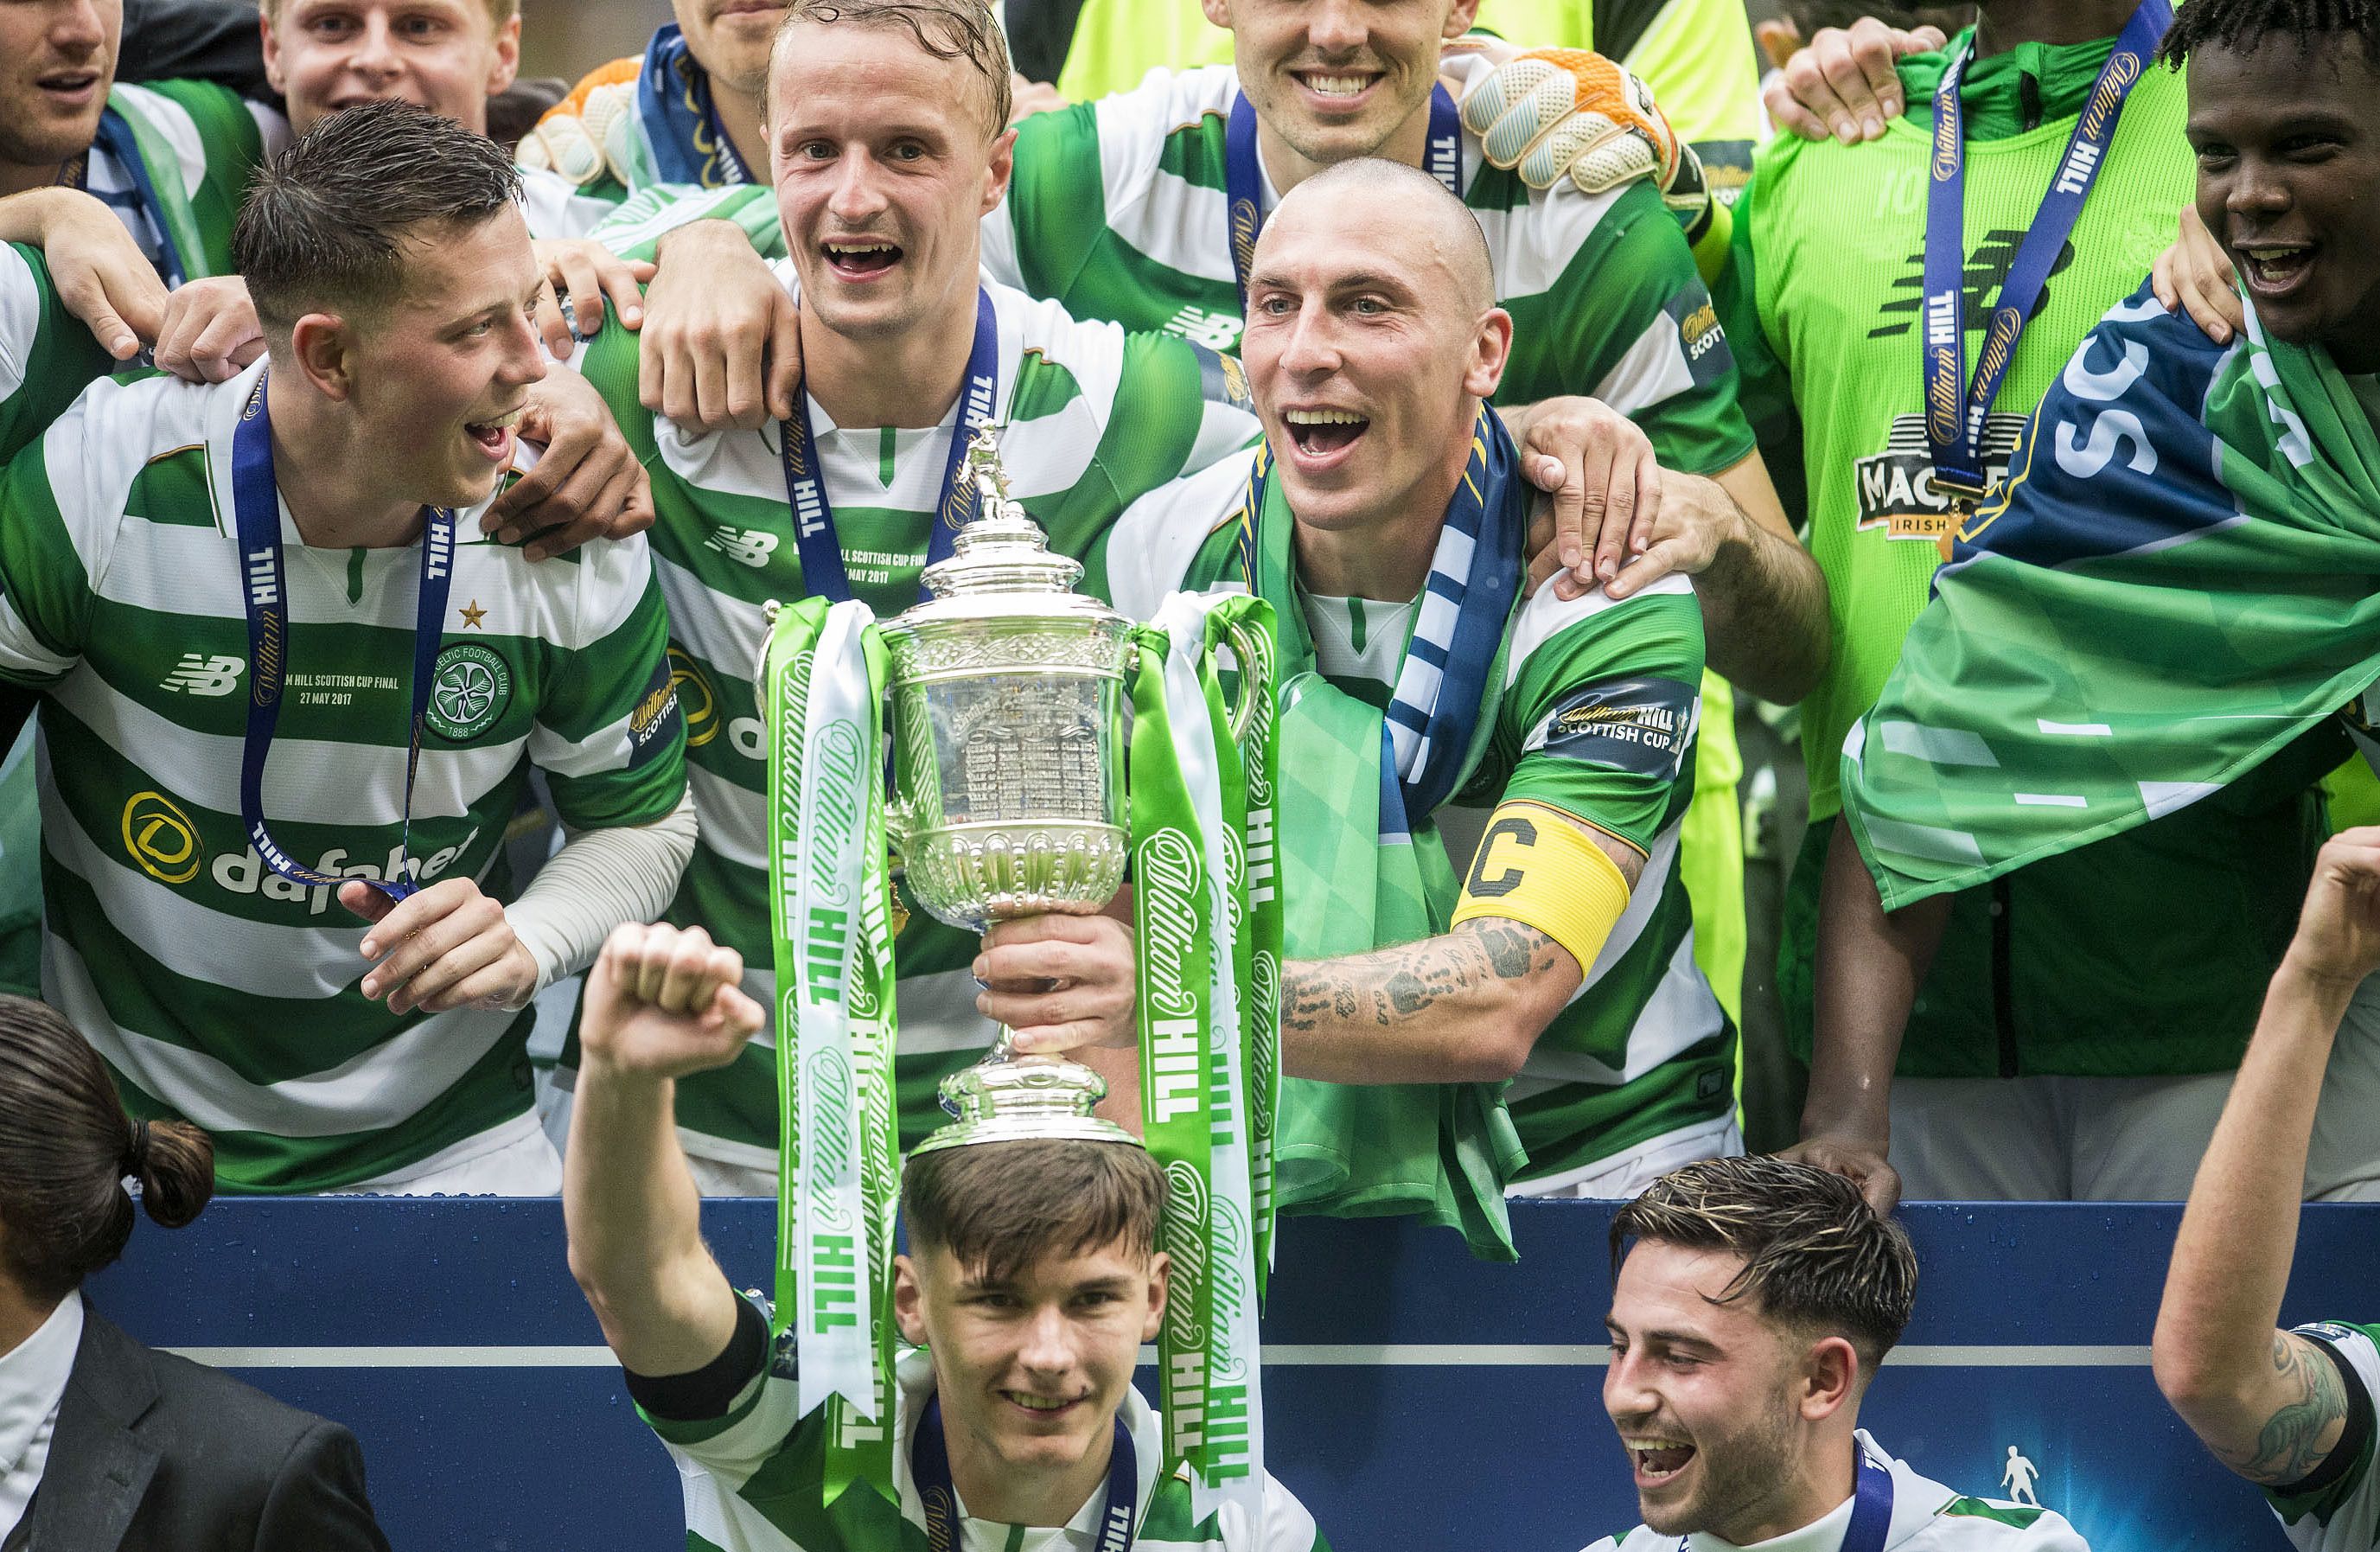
[(468, 691)]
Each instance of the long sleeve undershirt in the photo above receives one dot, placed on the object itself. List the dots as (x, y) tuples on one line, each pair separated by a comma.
[(600, 879)]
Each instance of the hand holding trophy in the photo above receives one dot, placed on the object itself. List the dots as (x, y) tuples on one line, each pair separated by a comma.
[(1042, 747)]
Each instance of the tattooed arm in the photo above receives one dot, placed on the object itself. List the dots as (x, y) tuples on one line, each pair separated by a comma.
[(2269, 1403), (1466, 1006)]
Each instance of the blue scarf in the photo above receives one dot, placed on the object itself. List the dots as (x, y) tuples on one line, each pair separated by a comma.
[(673, 99)]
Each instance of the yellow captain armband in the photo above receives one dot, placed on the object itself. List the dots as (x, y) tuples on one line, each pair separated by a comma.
[(1537, 867)]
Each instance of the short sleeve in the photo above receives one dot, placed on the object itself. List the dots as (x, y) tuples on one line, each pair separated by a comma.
[(608, 733), (2340, 1498), (1628, 320), (47, 357), (1764, 386), (1600, 715)]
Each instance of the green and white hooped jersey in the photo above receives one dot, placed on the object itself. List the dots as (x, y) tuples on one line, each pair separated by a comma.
[(754, 1483), (1097, 417), (47, 357), (199, 142), (218, 991), (2338, 1510), (1117, 209), (1601, 709), (1926, 1517)]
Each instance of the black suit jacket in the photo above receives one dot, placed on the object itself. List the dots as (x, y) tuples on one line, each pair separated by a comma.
[(154, 1453)]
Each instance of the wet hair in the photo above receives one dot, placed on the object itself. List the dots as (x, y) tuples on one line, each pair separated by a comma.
[(1420, 191), (66, 1149), (325, 223), (1815, 1255), (998, 1207), (945, 29), (2241, 25)]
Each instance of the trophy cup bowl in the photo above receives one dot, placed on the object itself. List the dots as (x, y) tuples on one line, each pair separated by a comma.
[(1007, 691)]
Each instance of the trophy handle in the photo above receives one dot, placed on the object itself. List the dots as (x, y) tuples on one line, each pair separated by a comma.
[(1246, 647)]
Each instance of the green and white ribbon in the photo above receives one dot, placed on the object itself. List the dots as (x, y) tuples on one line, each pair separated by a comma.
[(1189, 823), (823, 676)]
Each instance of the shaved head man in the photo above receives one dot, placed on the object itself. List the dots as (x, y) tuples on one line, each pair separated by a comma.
[(1374, 343)]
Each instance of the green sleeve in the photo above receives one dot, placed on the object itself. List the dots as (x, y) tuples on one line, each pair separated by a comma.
[(636, 229), (1057, 206), (46, 351), (43, 582), (608, 362), (1764, 386), (1610, 702), (613, 743), (1627, 318)]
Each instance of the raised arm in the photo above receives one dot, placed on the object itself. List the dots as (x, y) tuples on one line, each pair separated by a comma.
[(2269, 1403), (660, 1003)]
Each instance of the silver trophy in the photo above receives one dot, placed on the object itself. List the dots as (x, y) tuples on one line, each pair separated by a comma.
[(1008, 774)]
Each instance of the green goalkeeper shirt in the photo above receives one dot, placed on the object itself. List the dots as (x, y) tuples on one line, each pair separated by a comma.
[(1821, 307)]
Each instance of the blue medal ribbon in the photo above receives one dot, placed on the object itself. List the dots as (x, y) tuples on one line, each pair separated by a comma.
[(1243, 177), (689, 144), (1955, 410), (1871, 1509), (929, 1462), (256, 513), (813, 514)]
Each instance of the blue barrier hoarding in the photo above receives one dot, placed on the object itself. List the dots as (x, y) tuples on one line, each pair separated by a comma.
[(1416, 1400)]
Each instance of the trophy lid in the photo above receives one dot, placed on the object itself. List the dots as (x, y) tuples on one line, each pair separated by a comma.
[(1003, 550), (1021, 1099)]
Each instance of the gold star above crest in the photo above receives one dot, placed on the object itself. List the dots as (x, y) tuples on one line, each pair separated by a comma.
[(473, 614)]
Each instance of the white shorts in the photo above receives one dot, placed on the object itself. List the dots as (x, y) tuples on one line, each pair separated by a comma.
[(715, 1177), (2060, 1139), (513, 1159), (1625, 1174)]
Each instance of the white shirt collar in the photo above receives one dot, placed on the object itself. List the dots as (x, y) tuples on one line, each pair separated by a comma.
[(1825, 1534), (32, 1383)]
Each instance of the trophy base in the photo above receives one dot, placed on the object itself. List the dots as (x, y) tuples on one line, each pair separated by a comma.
[(1006, 1098), (973, 875)]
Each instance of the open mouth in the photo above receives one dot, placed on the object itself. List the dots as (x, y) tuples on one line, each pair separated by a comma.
[(1040, 1406), (860, 260), (1657, 1461), (493, 438), (1340, 84), (2275, 269), (72, 85), (1322, 433)]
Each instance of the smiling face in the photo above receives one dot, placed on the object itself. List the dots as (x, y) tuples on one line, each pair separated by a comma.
[(60, 61), (1339, 79), (436, 378), (730, 39), (885, 159), (445, 55), (1032, 1368), (2288, 157), (1369, 342), (1713, 1401)]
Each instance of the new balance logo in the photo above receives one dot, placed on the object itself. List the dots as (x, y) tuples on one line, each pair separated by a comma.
[(1986, 271), (751, 546), (1216, 331), (201, 675)]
